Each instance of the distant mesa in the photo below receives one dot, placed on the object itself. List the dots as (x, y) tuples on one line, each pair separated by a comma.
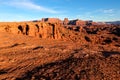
[(66, 21), (113, 22), (51, 20)]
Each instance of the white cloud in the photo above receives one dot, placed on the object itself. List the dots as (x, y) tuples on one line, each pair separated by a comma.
[(106, 11), (99, 15), (27, 4)]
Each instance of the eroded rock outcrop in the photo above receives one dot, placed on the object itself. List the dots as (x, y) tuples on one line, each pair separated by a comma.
[(66, 21), (68, 30), (39, 29)]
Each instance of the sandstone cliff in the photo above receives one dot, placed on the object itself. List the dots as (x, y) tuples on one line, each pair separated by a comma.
[(92, 33), (42, 30)]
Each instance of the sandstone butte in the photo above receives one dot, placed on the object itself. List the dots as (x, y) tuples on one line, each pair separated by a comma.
[(54, 49)]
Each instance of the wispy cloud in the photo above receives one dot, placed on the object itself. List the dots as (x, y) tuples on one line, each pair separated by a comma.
[(27, 4), (100, 14), (102, 11), (107, 10)]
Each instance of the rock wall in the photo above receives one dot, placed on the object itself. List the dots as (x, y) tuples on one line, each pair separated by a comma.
[(37, 29), (101, 34)]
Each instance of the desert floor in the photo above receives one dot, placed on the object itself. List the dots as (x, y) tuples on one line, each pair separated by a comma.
[(28, 58)]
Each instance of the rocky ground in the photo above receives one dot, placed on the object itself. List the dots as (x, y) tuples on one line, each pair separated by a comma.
[(89, 54)]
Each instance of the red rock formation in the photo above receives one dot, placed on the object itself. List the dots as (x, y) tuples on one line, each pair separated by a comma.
[(77, 22), (89, 52), (47, 30), (51, 20), (39, 29), (66, 21)]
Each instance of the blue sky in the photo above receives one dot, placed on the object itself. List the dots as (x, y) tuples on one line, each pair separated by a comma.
[(96, 10)]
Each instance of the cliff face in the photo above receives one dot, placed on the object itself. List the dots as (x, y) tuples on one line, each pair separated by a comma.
[(93, 33), (41, 29), (38, 29)]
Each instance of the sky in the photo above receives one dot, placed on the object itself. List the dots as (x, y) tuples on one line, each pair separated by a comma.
[(25, 10)]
